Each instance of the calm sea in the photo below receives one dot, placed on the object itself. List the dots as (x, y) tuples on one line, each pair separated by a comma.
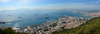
[(35, 17)]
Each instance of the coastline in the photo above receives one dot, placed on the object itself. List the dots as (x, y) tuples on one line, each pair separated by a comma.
[(91, 14), (66, 22)]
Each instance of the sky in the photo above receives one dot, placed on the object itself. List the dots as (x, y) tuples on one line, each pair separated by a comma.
[(49, 4)]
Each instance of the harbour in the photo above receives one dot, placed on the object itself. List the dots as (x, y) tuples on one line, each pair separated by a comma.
[(45, 23), (28, 18)]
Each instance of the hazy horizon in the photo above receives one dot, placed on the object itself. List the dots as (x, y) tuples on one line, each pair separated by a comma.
[(49, 4)]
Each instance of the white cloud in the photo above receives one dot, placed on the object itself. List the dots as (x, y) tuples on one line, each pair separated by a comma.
[(4, 0), (24, 1), (79, 3), (86, 7), (52, 4), (12, 8), (27, 1), (98, 1), (68, 4)]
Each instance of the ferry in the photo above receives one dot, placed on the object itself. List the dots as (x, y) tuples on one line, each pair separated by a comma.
[(46, 17)]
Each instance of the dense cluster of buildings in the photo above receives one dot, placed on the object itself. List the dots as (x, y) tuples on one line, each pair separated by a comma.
[(52, 26), (47, 28), (62, 23)]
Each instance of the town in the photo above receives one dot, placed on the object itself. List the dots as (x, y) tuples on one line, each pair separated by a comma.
[(67, 22), (47, 28)]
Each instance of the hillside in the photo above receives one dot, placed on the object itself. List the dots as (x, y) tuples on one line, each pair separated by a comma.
[(92, 26), (10, 31)]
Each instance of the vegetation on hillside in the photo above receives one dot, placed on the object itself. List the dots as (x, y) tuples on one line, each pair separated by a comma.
[(9, 31), (92, 26)]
